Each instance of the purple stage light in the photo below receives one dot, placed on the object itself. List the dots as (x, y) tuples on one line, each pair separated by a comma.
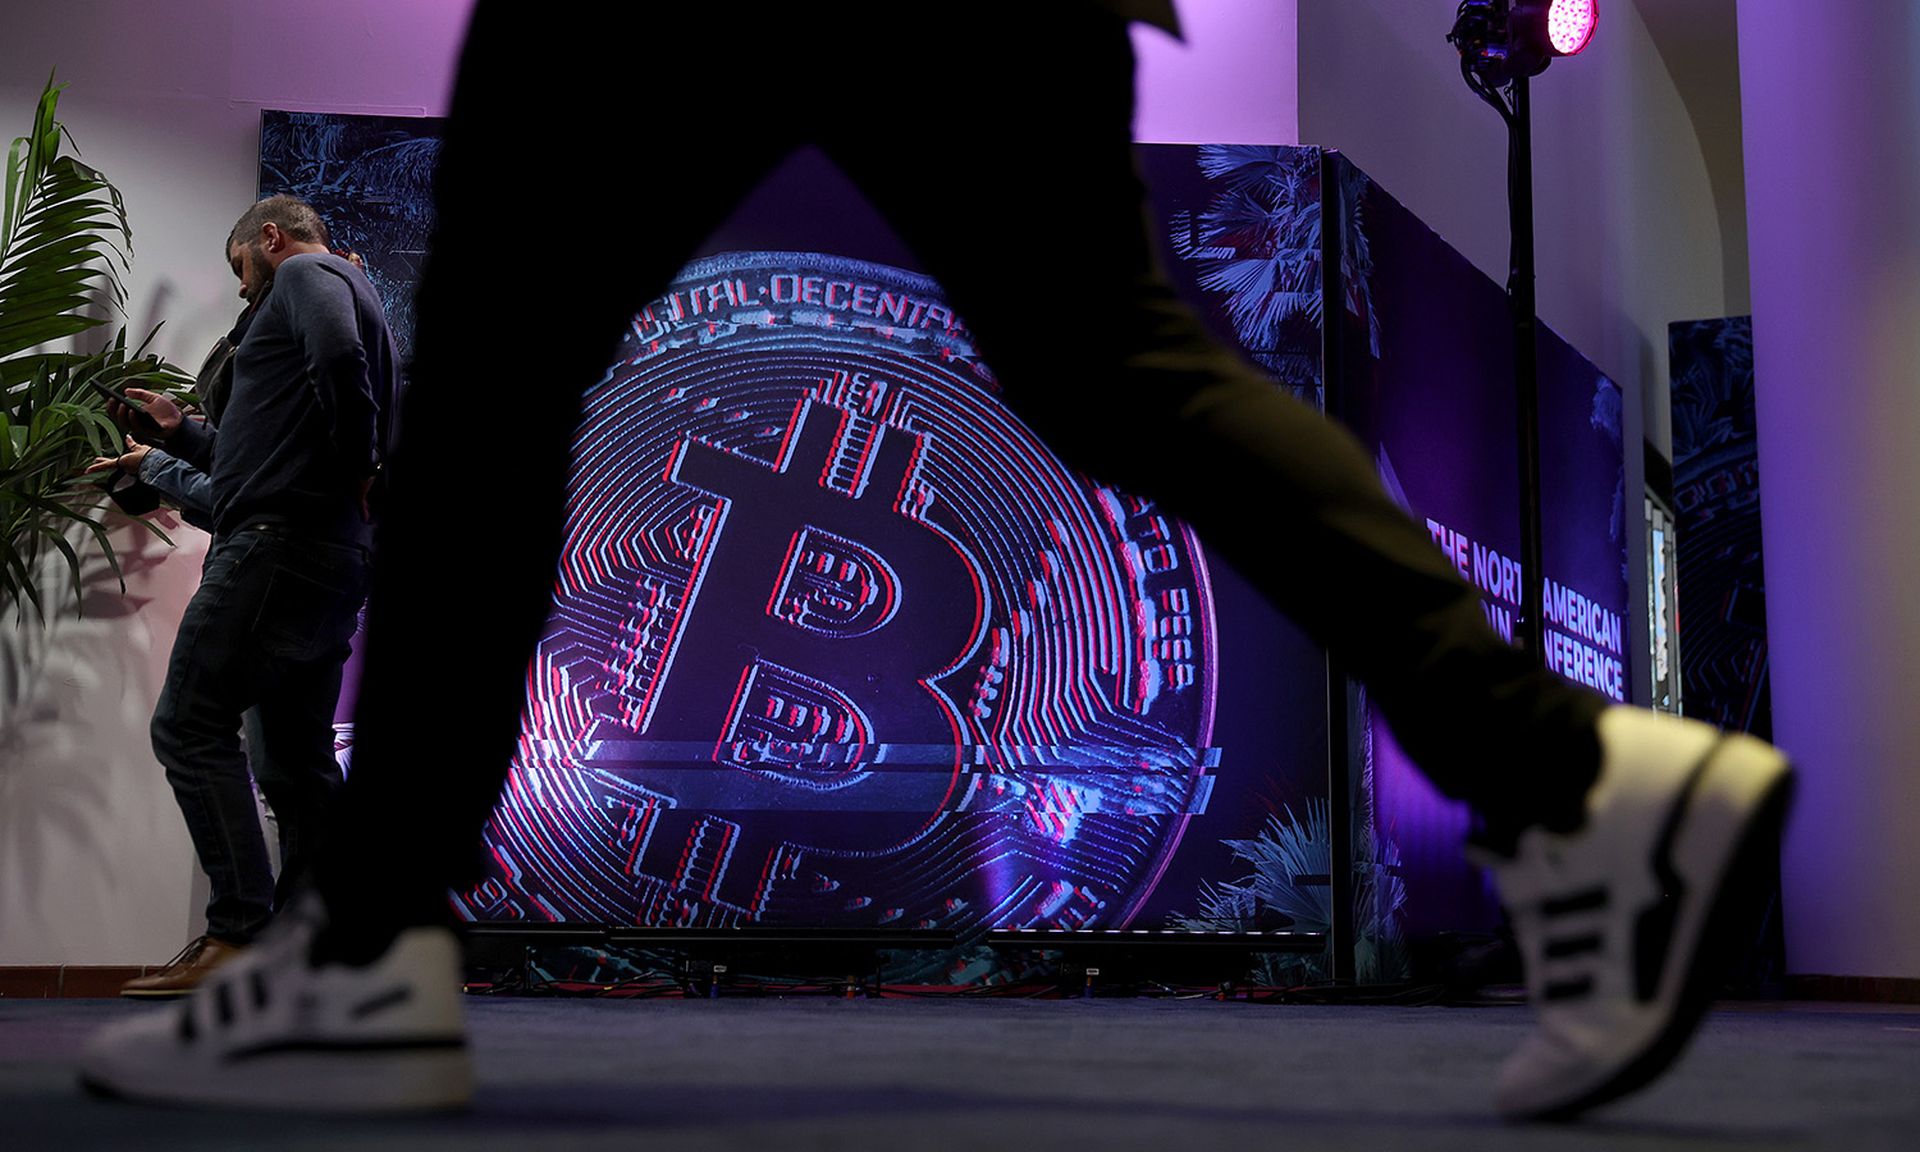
[(1501, 41), (1570, 25)]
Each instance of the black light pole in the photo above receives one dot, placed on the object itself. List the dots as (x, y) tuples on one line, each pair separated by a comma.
[(1503, 44), (1526, 363)]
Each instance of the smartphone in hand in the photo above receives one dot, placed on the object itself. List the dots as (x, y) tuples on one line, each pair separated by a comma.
[(112, 393)]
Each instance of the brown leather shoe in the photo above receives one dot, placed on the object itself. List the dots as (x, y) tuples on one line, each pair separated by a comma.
[(183, 973)]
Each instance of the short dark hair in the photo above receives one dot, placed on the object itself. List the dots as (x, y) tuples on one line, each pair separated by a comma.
[(290, 214)]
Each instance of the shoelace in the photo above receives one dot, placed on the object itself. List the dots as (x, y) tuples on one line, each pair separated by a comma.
[(188, 954)]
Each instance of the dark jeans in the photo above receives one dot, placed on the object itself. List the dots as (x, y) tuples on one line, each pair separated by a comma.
[(996, 137), (265, 635)]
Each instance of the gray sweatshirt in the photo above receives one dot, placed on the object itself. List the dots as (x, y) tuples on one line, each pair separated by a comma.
[(301, 429)]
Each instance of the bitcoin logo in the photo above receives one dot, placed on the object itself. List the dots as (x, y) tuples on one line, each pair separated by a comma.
[(799, 636), (836, 640)]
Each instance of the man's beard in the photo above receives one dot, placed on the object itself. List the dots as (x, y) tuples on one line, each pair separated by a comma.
[(257, 263)]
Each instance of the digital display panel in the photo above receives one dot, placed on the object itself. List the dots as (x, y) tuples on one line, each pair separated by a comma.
[(1429, 385), (837, 641)]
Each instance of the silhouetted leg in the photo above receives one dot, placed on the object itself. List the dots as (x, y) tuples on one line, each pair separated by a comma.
[(1124, 382), (540, 255)]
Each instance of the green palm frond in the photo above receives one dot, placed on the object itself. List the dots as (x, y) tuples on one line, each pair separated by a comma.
[(65, 244)]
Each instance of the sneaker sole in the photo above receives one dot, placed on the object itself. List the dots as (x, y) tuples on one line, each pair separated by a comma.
[(1737, 907), (437, 1079)]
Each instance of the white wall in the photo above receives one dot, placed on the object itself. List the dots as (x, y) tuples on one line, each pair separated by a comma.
[(95, 867), (1834, 200)]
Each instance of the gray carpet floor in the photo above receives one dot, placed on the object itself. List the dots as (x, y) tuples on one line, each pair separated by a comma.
[(1105, 1074)]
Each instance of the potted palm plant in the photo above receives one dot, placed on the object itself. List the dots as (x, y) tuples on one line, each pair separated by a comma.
[(65, 244)]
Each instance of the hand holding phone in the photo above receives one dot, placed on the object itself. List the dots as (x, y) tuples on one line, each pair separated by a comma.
[(112, 393), (147, 416)]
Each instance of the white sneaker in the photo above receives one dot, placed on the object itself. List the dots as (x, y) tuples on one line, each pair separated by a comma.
[(270, 1030), (1618, 922)]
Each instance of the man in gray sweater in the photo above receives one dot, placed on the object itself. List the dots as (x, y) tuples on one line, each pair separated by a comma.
[(291, 463)]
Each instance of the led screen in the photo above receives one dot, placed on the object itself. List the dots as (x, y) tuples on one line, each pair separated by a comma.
[(837, 641)]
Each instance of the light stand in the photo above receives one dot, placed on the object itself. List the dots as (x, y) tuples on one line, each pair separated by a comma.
[(1503, 44)]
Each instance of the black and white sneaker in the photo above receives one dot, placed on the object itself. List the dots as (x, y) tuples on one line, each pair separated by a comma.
[(1618, 922), (272, 1030)]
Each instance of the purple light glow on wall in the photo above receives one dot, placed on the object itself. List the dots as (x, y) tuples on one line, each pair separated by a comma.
[(1233, 77), (353, 55), (1833, 181)]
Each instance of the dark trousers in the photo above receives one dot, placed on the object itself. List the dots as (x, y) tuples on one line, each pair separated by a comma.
[(995, 138), (261, 644)]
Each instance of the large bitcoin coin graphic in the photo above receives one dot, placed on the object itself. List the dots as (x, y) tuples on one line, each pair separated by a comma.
[(837, 641)]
